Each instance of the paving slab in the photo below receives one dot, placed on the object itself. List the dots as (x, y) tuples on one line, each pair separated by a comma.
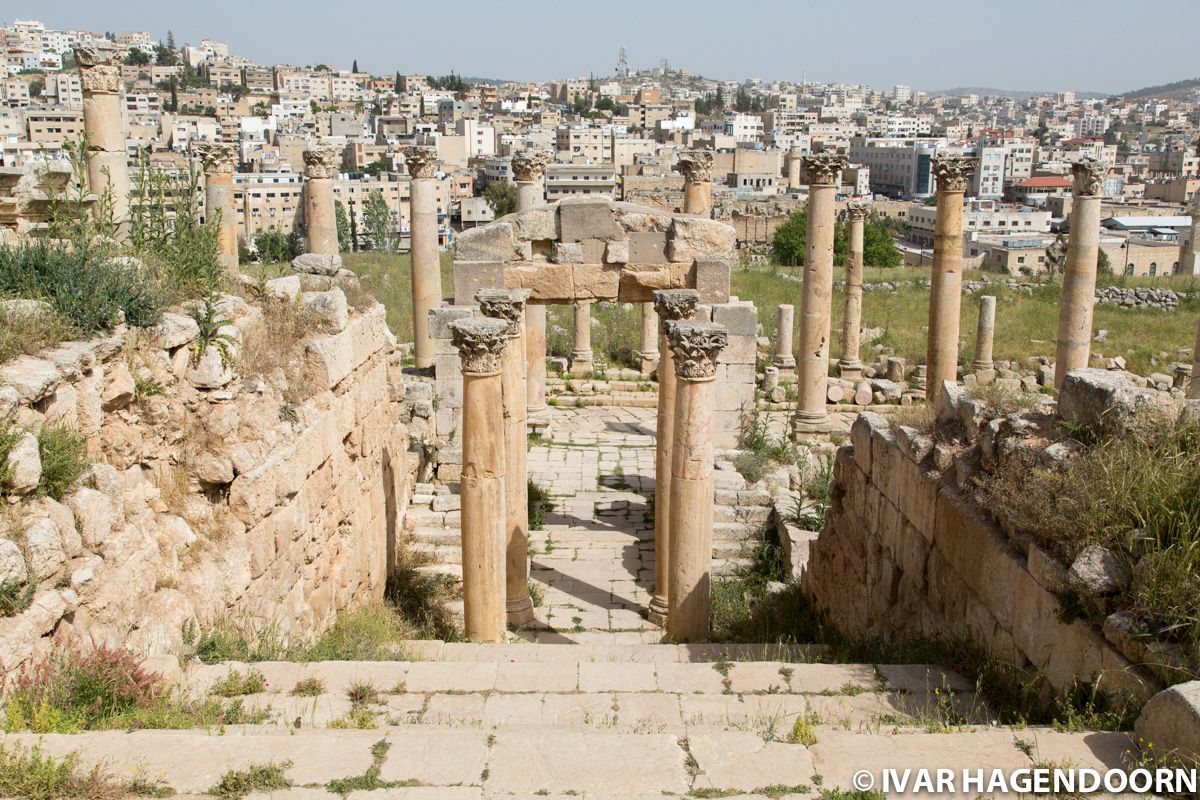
[(435, 756), (744, 761)]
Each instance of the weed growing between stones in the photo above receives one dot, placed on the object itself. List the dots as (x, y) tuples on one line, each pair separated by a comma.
[(62, 452), (235, 684), (308, 687), (539, 504), (236, 784), (15, 597), (31, 775), (759, 449)]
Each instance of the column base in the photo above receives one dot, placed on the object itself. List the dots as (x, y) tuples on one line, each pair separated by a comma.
[(850, 370), (983, 375), (808, 422), (657, 613), (581, 364), (648, 363), (519, 612), (787, 363)]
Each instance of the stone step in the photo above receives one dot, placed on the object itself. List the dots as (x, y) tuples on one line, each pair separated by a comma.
[(442, 536), (742, 513), (583, 755), (440, 553), (724, 567), (424, 518), (737, 532)]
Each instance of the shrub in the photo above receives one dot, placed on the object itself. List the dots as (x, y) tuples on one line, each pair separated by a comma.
[(62, 451), (236, 684), (30, 775), (538, 500), (236, 784), (164, 228), (274, 246), (10, 434), (308, 687), (279, 348), (15, 597), (29, 332)]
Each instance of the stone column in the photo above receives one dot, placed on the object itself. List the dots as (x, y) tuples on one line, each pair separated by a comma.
[(581, 355), (1079, 276), (695, 347), (528, 170), (945, 290), (219, 161), (1189, 259), (985, 335), (794, 158), (815, 305), (509, 305), (648, 355), (696, 166), (480, 343), (1193, 387), (849, 365), (671, 305), (103, 124), (423, 250), (784, 359), (321, 165)]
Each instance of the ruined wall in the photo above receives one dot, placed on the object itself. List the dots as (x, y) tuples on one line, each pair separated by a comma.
[(905, 553), (212, 495)]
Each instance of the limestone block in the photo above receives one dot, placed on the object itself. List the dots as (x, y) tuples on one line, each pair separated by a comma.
[(1109, 401), (587, 218), (317, 264), (1046, 570), (33, 378), (12, 563), (1171, 721), (617, 252), (884, 466), (546, 282), (980, 554), (252, 495), (63, 406), (24, 465), (285, 288), (537, 224), (176, 330), (741, 319), (696, 238), (648, 247), (598, 281), (741, 350), (861, 434), (210, 370), (440, 318), (918, 496), (568, 253), (9, 400), (330, 306), (635, 218), (95, 514), (119, 389), (494, 242), (43, 542), (1098, 571), (593, 250), (335, 357)]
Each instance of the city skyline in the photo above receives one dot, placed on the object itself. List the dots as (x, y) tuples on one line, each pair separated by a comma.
[(950, 46)]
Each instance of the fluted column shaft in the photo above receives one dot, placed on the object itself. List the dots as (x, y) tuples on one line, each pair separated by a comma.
[(582, 362), (785, 320), (648, 354), (985, 334), (1074, 346), (850, 365), (945, 290), (426, 266), (103, 125)]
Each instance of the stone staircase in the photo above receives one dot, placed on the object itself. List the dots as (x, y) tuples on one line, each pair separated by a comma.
[(602, 721)]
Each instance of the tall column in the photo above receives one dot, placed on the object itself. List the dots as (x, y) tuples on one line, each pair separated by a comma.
[(648, 354), (481, 342), (219, 160), (695, 347), (321, 165), (1079, 277), (945, 289), (815, 304), (849, 365), (509, 305), (696, 166), (985, 335), (794, 157), (528, 170), (581, 355), (1189, 259), (103, 124), (423, 250), (1193, 387), (671, 305), (785, 320)]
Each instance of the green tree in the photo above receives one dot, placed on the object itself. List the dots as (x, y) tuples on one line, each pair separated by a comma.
[(788, 244), (343, 225), (354, 68), (879, 249), (165, 55), (378, 219), (1103, 264), (137, 58), (502, 197)]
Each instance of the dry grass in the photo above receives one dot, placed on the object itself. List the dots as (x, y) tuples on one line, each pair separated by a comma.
[(277, 352), (29, 333), (388, 278)]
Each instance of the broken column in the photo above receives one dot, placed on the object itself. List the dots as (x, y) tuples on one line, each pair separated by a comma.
[(219, 160), (481, 343), (670, 305), (103, 124), (1079, 275), (1193, 387), (985, 336), (784, 359), (509, 305), (581, 354), (849, 365), (794, 158), (945, 289), (1189, 259), (648, 355), (528, 170), (812, 365), (696, 166), (321, 165), (695, 347), (423, 249)]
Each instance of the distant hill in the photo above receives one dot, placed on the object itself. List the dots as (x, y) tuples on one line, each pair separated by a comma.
[(1166, 90), (1016, 94)]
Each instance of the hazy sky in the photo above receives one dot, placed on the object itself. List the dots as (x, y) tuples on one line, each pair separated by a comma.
[(1085, 45)]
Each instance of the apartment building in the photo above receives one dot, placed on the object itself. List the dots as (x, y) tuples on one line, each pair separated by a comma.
[(899, 168), (54, 126), (566, 180), (574, 141), (980, 218)]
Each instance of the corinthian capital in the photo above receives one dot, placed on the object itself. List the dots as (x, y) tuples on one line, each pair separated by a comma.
[(953, 172), (504, 304), (673, 305), (696, 165), (421, 161), (1088, 174), (480, 341), (823, 168), (856, 210), (695, 346), (529, 166), (217, 157), (323, 160), (99, 67)]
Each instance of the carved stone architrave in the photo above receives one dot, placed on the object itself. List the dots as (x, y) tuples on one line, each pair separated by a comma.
[(480, 341), (422, 161), (529, 166), (696, 165), (695, 347), (217, 157), (1088, 175), (323, 160), (505, 304), (953, 172), (856, 209), (100, 67), (673, 305), (823, 168)]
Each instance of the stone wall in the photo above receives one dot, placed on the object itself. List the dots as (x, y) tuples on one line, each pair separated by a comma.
[(905, 553), (211, 495)]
